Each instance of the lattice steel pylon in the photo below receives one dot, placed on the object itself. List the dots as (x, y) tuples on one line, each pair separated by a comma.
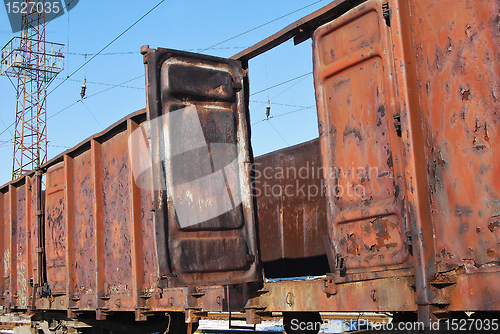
[(34, 62)]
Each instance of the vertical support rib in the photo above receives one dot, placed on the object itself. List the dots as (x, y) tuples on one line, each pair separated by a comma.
[(3, 259), (39, 233), (13, 248), (28, 265), (101, 295), (70, 225), (135, 226), (414, 142)]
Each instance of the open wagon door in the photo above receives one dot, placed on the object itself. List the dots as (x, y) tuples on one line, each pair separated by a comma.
[(360, 136), (201, 163)]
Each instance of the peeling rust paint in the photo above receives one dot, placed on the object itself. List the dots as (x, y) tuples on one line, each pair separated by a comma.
[(365, 219), (421, 233)]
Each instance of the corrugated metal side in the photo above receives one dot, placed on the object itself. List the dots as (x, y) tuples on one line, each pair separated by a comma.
[(97, 225), (291, 205), (361, 140), (18, 243)]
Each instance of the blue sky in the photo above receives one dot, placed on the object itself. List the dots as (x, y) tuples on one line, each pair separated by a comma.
[(186, 25)]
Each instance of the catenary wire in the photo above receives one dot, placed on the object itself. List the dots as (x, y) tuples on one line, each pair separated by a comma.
[(260, 26), (281, 83), (277, 132), (91, 114), (283, 114), (87, 97), (106, 84), (137, 52), (107, 45)]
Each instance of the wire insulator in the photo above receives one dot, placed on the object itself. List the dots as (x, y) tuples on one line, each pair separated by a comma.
[(84, 89)]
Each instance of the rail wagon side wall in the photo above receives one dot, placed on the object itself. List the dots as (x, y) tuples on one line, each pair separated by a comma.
[(407, 87), (18, 259), (410, 87), (100, 241)]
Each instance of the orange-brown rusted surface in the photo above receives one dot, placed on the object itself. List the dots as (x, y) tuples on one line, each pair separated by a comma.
[(18, 243), (451, 64), (409, 88), (291, 206), (457, 58), (98, 221), (360, 145), (407, 102)]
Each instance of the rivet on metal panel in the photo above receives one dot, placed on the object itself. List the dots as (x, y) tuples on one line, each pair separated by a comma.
[(218, 300), (329, 286), (171, 301), (289, 299), (374, 295)]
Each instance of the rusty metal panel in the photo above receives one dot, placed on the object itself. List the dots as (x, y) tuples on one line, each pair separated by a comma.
[(55, 229), (81, 231), (201, 167), (117, 224), (17, 248), (22, 227), (291, 207), (4, 263), (300, 30), (97, 222), (456, 49), (360, 139), (384, 295), (6, 250)]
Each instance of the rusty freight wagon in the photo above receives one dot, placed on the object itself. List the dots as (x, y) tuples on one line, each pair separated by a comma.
[(159, 220)]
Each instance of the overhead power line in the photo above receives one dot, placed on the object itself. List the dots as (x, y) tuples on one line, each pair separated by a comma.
[(138, 53), (283, 114), (279, 104), (106, 84), (279, 134), (260, 26), (107, 45), (142, 75), (281, 83), (87, 97)]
